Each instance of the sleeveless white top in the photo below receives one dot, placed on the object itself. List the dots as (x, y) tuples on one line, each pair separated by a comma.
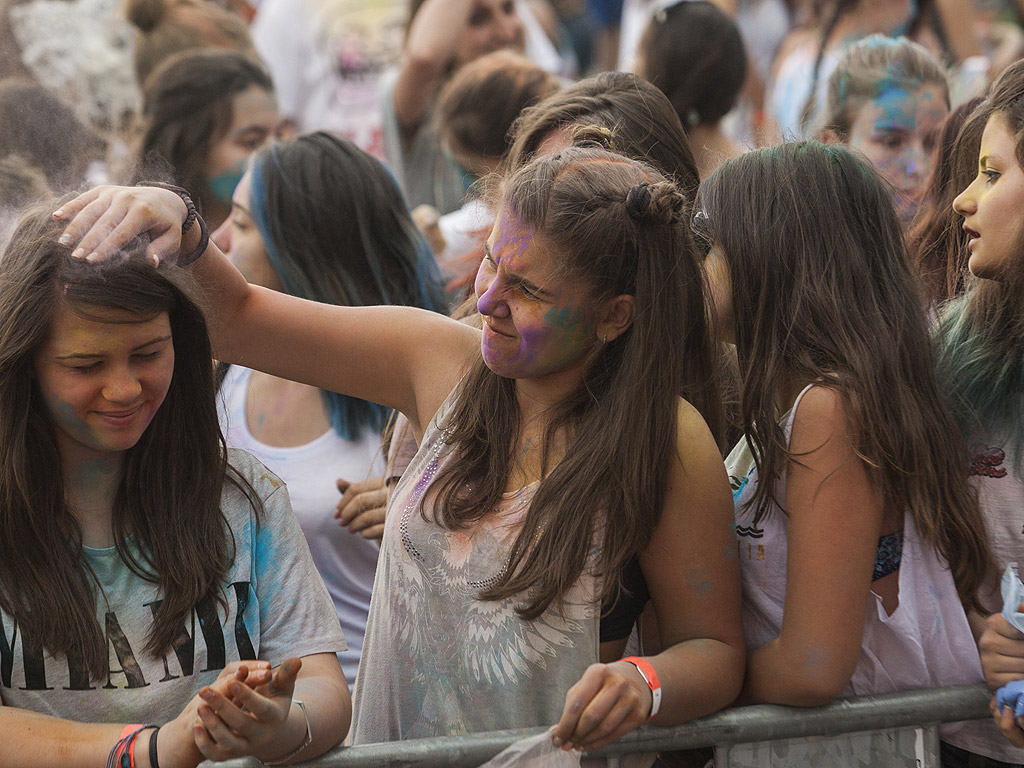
[(439, 660), (925, 643), (346, 561)]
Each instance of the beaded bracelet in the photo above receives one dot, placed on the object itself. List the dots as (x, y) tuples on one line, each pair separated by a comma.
[(192, 217)]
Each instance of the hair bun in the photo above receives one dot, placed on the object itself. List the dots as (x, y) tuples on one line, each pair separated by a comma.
[(593, 136), (661, 203), (145, 15)]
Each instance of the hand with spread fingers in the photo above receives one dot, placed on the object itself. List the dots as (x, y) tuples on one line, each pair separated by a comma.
[(362, 507), (608, 701), (104, 219), (241, 717)]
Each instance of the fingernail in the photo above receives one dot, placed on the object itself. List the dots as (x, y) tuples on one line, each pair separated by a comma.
[(64, 239), (556, 741), (77, 253), (93, 257), (154, 260), (58, 214), (206, 694)]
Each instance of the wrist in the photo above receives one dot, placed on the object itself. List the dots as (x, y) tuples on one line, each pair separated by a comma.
[(296, 731), (647, 673)]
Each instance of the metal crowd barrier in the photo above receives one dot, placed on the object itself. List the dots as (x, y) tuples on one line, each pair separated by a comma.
[(736, 726)]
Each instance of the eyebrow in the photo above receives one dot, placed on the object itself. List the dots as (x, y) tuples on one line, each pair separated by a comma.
[(519, 278), (86, 355)]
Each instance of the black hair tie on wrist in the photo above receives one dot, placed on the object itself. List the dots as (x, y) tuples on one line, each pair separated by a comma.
[(153, 762), (638, 201), (192, 218)]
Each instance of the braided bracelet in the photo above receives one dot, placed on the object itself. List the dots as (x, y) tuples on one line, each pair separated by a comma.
[(192, 217)]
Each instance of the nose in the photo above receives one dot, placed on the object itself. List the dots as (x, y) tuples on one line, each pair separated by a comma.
[(491, 299), (511, 32), (964, 203), (122, 386), (222, 236)]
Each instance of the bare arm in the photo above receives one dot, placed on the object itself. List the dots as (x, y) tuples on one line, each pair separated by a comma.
[(429, 47), (43, 741), (400, 357), (691, 570), (265, 721), (834, 519)]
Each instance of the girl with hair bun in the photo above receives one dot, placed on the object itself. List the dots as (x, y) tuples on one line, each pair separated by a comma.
[(860, 540), (559, 476)]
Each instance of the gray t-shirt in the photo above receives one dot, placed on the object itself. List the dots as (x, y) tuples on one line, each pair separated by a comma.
[(277, 608)]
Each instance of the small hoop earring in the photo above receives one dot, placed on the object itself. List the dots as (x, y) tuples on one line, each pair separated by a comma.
[(604, 338)]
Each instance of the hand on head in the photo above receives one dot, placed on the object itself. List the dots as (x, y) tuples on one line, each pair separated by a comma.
[(105, 219)]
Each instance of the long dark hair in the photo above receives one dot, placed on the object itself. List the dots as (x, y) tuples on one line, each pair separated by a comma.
[(822, 291), (187, 108), (170, 490), (337, 231), (937, 241), (982, 333), (619, 425)]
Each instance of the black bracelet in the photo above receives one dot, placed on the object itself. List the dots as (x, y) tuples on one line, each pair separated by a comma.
[(153, 762), (192, 217)]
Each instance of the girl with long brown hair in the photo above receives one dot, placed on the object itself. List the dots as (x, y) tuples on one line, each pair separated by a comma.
[(143, 567), (981, 337), (557, 462), (851, 491)]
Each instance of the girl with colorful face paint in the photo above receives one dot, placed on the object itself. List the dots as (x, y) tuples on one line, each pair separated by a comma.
[(125, 520), (887, 99), (850, 495), (205, 112), (557, 461), (981, 337)]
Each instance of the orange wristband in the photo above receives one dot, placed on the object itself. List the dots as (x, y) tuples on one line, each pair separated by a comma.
[(643, 666)]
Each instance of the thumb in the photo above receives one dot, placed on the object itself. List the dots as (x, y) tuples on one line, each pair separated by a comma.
[(282, 683)]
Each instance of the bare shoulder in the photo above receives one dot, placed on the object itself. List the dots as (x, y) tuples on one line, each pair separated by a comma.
[(695, 444), (821, 416)]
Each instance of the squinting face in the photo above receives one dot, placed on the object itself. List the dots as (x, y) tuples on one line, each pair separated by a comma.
[(491, 26), (103, 378), (535, 324), (242, 241), (254, 121), (993, 204), (897, 132)]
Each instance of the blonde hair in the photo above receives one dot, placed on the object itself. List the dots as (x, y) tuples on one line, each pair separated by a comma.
[(869, 68)]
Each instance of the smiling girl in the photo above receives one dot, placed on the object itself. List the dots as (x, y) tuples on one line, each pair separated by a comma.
[(143, 568), (887, 98), (982, 364), (550, 472)]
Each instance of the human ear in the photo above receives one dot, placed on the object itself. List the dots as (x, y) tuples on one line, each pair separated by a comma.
[(615, 318), (828, 136)]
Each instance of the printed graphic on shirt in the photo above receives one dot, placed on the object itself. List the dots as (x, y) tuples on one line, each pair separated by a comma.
[(987, 462), (205, 644)]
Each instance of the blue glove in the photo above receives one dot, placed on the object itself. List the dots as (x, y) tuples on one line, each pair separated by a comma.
[(1012, 695)]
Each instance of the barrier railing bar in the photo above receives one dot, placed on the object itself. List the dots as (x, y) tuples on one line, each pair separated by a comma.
[(738, 725)]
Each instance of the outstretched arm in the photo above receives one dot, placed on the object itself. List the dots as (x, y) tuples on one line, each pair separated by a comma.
[(405, 358)]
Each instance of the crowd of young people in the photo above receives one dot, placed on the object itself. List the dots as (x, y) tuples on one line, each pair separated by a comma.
[(740, 429)]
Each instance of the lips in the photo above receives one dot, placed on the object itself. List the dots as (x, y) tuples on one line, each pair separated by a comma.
[(489, 326), (120, 418), (972, 234)]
